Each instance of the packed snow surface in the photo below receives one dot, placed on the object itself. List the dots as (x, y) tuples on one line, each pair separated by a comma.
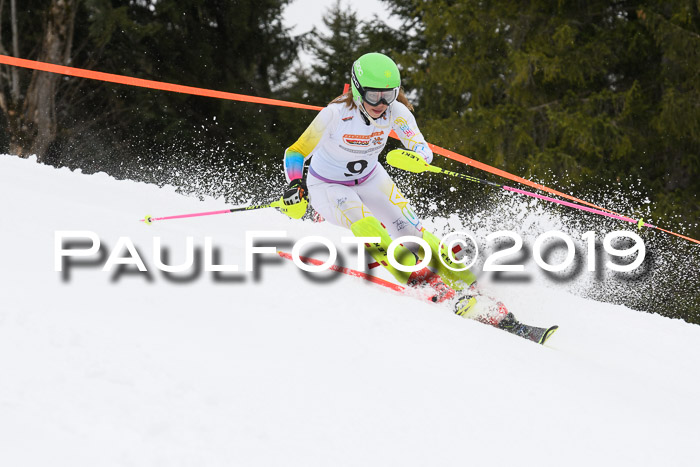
[(197, 368)]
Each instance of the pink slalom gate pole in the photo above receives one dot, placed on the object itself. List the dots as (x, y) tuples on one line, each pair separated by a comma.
[(577, 206), (639, 223), (150, 219), (411, 162)]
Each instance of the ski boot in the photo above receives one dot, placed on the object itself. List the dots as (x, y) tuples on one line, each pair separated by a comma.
[(464, 304), (471, 303), (492, 312)]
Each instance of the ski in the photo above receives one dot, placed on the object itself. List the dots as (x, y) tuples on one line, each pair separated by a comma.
[(533, 333), (355, 273), (462, 306), (344, 270)]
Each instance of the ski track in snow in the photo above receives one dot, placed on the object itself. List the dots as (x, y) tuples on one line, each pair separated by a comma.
[(139, 369)]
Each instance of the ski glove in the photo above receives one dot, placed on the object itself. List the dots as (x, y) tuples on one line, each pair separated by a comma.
[(295, 192), (424, 151)]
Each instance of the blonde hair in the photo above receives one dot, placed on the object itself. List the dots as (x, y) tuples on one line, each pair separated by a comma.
[(350, 102)]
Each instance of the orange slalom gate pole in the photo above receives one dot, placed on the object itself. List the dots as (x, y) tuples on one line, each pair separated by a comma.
[(493, 170), (145, 83)]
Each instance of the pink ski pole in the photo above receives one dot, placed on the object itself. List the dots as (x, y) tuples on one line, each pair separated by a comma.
[(150, 219)]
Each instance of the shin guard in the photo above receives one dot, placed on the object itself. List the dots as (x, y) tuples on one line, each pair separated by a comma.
[(458, 279), (371, 227)]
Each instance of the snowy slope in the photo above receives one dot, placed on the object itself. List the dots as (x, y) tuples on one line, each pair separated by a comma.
[(135, 369)]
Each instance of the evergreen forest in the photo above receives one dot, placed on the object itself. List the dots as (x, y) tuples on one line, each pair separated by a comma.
[(580, 96)]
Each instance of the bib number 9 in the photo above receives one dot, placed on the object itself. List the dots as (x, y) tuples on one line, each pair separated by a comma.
[(356, 168)]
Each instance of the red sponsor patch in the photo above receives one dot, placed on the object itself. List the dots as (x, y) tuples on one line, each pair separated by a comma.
[(363, 140)]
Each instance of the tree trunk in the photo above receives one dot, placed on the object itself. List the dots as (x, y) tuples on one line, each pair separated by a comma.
[(39, 127), (15, 50)]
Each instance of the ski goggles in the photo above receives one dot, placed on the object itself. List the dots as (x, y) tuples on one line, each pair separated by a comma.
[(377, 96)]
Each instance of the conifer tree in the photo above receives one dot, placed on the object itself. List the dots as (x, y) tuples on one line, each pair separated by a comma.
[(232, 46), (582, 92), (331, 53)]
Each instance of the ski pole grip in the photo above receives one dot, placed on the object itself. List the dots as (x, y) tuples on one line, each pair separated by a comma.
[(409, 161)]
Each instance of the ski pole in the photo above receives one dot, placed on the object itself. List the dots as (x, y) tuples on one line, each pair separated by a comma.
[(411, 162), (150, 219)]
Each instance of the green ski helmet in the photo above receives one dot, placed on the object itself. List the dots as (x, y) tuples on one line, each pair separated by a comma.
[(375, 79)]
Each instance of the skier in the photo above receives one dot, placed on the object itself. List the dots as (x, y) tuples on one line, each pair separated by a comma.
[(347, 185)]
